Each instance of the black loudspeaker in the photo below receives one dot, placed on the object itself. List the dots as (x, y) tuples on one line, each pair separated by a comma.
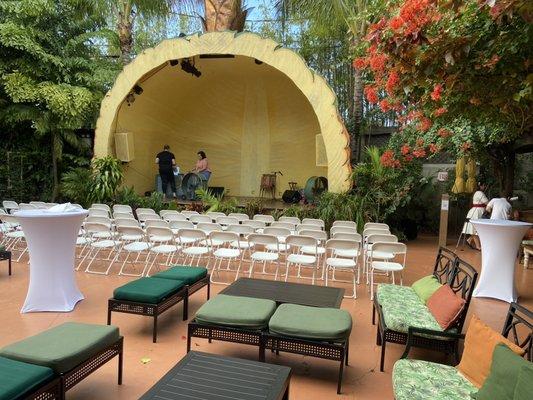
[(216, 190), (291, 196)]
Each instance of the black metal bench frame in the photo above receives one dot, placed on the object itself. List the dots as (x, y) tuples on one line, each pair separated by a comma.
[(337, 351), (6, 255), (154, 310), (50, 391), (461, 277)]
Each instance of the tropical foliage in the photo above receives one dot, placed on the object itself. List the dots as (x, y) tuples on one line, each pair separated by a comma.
[(459, 75)]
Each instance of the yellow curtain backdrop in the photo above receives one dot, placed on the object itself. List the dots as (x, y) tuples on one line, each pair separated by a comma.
[(471, 183), (459, 185)]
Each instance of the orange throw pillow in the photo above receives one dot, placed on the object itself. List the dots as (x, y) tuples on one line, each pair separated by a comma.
[(480, 342), (445, 306)]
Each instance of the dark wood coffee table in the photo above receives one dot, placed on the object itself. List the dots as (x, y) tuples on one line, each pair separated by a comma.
[(286, 292), (204, 376)]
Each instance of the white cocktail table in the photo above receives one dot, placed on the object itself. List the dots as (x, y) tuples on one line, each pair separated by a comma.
[(51, 238), (500, 241)]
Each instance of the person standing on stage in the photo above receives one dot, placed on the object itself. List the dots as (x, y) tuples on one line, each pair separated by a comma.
[(202, 166), (166, 162)]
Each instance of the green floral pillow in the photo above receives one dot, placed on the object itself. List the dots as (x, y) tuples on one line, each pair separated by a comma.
[(425, 287)]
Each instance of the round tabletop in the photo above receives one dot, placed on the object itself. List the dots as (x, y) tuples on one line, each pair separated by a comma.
[(47, 213), (500, 222)]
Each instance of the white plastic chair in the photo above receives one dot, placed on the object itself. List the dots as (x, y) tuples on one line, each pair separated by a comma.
[(267, 219), (368, 248), (223, 241), (174, 217), (347, 224), (354, 253), (263, 255), (39, 204), (122, 208), (162, 243), (122, 215), (333, 261), (341, 229), (10, 206), (225, 221), (243, 231), (13, 236), (27, 206), (95, 205), (240, 216), (376, 225), (127, 222), (98, 212), (307, 227), (188, 214), (133, 241), (194, 245), (175, 226), (101, 238), (388, 265), (159, 223), (143, 217), (286, 225), (320, 250), (297, 258), (258, 226), (314, 221), (145, 211), (214, 215), (290, 220), (196, 219)]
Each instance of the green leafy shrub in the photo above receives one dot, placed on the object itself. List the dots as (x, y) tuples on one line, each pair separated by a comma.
[(107, 176), (127, 195), (76, 185), (155, 201)]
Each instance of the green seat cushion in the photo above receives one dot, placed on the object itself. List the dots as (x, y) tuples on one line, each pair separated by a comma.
[(424, 380), (524, 385), (389, 294), (236, 311), (425, 287), (18, 378), (189, 275), (63, 347), (311, 322), (503, 376), (148, 290)]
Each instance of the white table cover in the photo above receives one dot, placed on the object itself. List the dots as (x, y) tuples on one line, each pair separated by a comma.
[(51, 238), (500, 241)]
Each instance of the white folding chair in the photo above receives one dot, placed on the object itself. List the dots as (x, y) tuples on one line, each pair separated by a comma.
[(194, 245), (341, 229), (188, 214), (290, 220), (196, 219), (225, 221), (39, 204), (376, 225), (320, 250), (162, 243), (387, 265), (101, 238), (214, 215), (13, 236), (334, 261), (104, 234), (164, 213), (50, 205), (267, 219), (122, 208), (159, 223), (175, 226), (346, 224), (296, 257), (258, 226), (98, 212), (134, 241), (10, 206), (307, 227), (122, 215), (95, 205), (368, 248), (314, 221), (240, 216), (127, 222), (27, 206), (243, 231), (174, 217), (264, 248), (281, 224), (145, 211), (281, 234), (143, 217), (223, 241)]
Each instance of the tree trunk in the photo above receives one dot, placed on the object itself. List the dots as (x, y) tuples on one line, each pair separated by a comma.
[(125, 35), (221, 15), (55, 179)]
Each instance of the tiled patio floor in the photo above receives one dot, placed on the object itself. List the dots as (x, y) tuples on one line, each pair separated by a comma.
[(312, 378)]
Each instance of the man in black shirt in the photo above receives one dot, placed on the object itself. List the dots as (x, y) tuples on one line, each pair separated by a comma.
[(166, 162)]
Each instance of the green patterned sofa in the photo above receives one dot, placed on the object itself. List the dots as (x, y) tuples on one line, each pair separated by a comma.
[(403, 316), (424, 380)]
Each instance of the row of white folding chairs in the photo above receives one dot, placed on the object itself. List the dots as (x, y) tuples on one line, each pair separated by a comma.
[(12, 237), (10, 206)]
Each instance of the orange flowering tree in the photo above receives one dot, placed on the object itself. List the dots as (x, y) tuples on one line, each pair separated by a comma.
[(458, 73)]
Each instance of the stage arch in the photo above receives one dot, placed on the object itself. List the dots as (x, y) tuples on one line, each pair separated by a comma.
[(256, 108)]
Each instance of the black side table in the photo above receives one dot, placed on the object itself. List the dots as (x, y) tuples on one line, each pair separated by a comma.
[(6, 255), (204, 376)]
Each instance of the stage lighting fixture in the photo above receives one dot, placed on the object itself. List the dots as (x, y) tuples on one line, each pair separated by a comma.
[(173, 63), (258, 62), (138, 90), (187, 65), (130, 99)]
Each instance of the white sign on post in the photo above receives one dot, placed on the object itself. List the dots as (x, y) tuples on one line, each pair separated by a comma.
[(445, 205)]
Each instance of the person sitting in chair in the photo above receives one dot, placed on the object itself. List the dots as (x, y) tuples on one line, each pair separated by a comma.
[(202, 166), (500, 208)]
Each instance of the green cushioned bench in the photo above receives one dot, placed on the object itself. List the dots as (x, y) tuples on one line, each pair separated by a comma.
[(151, 296), (20, 380), (70, 351), (311, 331)]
